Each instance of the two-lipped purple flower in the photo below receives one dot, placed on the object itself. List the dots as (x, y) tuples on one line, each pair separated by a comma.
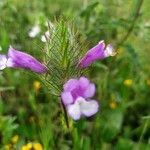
[(77, 96), (77, 93), (18, 59), (98, 52)]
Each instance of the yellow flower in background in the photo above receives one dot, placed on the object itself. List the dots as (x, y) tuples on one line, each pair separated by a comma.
[(15, 139), (29, 145), (112, 104), (37, 146), (36, 85), (32, 146), (8, 147), (148, 82), (128, 82), (24, 147)]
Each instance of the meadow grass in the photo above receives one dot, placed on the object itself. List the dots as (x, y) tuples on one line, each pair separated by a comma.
[(30, 114)]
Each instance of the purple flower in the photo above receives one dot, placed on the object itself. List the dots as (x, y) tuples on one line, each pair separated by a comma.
[(97, 53), (17, 59), (76, 98)]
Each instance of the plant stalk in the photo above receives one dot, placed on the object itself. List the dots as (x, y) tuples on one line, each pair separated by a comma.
[(137, 14), (65, 115)]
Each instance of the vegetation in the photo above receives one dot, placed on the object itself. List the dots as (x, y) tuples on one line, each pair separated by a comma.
[(31, 115)]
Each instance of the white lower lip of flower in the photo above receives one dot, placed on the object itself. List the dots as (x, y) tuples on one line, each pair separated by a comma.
[(74, 111), (87, 108), (109, 51), (9, 62), (81, 107), (2, 67), (3, 62)]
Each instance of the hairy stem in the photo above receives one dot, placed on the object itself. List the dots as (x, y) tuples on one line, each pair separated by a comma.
[(65, 114)]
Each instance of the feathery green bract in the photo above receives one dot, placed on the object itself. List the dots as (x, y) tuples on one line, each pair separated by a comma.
[(63, 51)]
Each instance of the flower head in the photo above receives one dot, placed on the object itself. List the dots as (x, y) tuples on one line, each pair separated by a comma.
[(112, 104), (36, 85), (15, 139), (3, 62), (128, 82), (32, 146), (96, 53), (76, 98), (34, 31), (17, 59), (8, 147)]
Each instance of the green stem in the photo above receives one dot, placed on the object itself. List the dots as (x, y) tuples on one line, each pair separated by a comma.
[(144, 130), (137, 13), (65, 115)]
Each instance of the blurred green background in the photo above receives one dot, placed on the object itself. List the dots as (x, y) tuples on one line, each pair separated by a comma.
[(30, 115)]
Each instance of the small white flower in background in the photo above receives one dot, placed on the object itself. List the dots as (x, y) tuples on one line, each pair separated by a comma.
[(45, 36), (35, 30)]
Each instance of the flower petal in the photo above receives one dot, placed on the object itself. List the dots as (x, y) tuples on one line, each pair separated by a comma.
[(71, 85), (109, 51), (3, 62), (88, 108), (66, 98), (10, 63), (74, 111), (84, 82), (93, 54), (34, 31), (90, 91), (26, 61)]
